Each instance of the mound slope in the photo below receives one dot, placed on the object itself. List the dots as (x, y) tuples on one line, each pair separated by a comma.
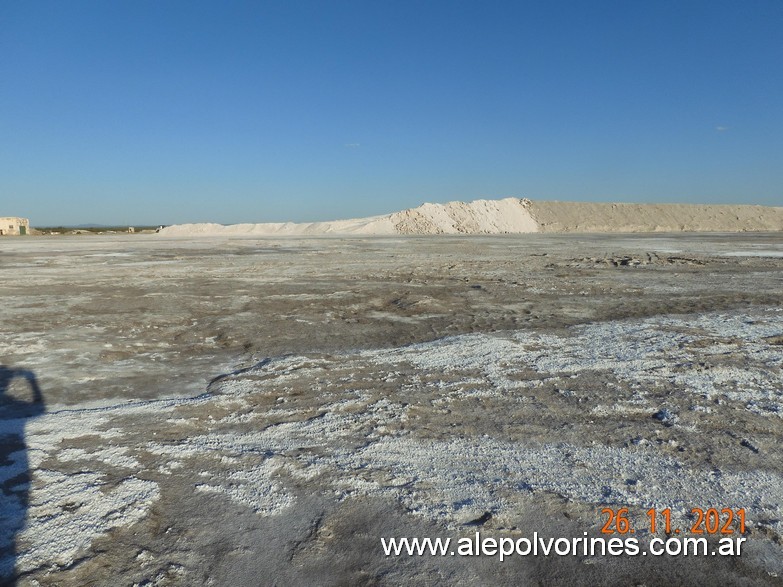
[(514, 215)]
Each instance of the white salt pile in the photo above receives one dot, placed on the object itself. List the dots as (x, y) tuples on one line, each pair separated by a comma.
[(514, 215), (478, 217), (593, 217)]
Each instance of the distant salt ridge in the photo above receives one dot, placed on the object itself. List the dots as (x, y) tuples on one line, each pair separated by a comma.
[(372, 225), (514, 215)]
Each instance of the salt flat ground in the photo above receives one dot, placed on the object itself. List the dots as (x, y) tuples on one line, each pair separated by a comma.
[(251, 411)]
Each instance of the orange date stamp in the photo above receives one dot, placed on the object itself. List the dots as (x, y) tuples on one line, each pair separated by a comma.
[(710, 521)]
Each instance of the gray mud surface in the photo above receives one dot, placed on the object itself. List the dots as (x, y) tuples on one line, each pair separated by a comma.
[(254, 411)]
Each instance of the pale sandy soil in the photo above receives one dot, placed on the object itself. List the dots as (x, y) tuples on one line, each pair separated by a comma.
[(262, 411)]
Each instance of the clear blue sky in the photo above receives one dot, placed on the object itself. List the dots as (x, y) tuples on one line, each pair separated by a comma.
[(141, 111)]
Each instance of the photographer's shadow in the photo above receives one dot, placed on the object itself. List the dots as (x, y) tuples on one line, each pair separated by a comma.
[(15, 410)]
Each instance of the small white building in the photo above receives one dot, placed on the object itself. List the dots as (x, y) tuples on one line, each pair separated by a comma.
[(14, 226)]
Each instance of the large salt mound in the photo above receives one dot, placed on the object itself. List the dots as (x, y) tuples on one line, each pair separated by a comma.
[(513, 215), (593, 217), (477, 217)]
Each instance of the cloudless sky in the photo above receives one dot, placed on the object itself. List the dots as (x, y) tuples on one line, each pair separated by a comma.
[(146, 112)]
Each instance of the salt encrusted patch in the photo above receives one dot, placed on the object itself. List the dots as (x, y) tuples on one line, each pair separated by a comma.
[(641, 353), (63, 519), (45, 433), (22, 344), (481, 472), (67, 511), (254, 487), (347, 440)]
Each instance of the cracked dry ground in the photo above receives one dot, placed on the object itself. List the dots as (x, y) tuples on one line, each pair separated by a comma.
[(254, 411)]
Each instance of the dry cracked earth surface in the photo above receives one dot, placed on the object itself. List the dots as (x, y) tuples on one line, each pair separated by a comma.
[(263, 411)]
